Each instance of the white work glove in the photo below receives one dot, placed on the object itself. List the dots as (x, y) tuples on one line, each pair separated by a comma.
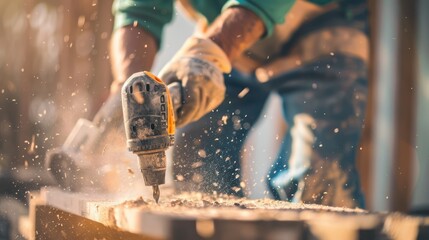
[(199, 66)]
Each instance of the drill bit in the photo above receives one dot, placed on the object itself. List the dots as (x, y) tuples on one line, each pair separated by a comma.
[(155, 190)]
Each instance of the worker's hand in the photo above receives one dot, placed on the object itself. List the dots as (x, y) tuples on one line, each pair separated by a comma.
[(199, 66)]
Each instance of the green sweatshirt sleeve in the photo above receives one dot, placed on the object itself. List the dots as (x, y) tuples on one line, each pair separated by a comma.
[(271, 12), (151, 15)]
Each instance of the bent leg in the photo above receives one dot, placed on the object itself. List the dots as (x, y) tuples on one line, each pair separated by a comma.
[(325, 111), (322, 79)]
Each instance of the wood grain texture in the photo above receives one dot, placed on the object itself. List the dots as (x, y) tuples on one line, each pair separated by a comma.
[(197, 216)]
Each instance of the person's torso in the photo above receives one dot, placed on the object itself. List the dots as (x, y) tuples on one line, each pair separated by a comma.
[(205, 12)]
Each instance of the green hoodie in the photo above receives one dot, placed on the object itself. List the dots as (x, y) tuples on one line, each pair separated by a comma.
[(152, 15)]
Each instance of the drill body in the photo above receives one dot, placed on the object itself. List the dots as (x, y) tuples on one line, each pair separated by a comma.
[(149, 124), (148, 114)]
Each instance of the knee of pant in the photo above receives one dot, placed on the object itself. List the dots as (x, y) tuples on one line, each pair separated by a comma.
[(302, 141)]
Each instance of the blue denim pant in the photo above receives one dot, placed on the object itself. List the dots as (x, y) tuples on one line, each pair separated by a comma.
[(323, 103)]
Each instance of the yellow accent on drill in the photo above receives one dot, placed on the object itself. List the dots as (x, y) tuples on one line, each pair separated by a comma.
[(171, 124), (151, 75)]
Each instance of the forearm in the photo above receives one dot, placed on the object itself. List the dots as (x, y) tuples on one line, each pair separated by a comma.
[(235, 31), (132, 50)]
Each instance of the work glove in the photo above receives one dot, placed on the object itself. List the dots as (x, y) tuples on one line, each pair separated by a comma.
[(199, 66)]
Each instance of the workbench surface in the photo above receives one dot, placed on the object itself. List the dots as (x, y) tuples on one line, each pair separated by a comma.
[(198, 216)]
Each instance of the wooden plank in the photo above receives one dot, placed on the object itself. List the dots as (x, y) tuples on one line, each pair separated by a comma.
[(366, 148), (54, 223), (394, 95), (195, 216), (405, 139)]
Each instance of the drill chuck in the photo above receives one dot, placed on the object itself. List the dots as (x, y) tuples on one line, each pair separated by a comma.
[(153, 166)]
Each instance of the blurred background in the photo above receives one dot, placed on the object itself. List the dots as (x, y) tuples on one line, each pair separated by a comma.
[(54, 69)]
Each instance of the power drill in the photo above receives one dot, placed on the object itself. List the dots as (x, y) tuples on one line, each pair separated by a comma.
[(148, 112)]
